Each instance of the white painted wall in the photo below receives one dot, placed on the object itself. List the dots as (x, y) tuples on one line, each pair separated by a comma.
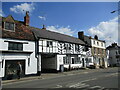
[(73, 66), (112, 56), (60, 61), (96, 45), (30, 47), (43, 45), (90, 63)]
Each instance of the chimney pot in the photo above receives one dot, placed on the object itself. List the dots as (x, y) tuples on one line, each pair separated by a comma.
[(96, 37), (81, 35), (26, 19), (44, 28)]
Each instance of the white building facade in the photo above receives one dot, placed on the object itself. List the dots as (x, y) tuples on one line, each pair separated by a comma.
[(11, 55), (113, 53), (98, 50), (17, 45)]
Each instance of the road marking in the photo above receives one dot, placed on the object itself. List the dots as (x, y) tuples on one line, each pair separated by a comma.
[(79, 85), (85, 72), (85, 86), (89, 80), (97, 87), (58, 86)]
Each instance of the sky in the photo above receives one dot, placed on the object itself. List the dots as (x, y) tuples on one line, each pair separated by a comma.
[(94, 18)]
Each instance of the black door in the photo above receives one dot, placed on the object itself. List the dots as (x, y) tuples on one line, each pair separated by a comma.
[(83, 62), (11, 68)]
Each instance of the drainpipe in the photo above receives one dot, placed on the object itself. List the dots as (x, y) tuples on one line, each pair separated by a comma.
[(69, 58), (39, 65), (38, 56)]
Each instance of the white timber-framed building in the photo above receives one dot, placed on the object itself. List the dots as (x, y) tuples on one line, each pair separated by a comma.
[(56, 51)]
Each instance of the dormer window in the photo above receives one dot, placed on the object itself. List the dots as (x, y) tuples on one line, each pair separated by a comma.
[(9, 26)]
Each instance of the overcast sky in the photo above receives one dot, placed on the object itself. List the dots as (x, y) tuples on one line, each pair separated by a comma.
[(94, 18)]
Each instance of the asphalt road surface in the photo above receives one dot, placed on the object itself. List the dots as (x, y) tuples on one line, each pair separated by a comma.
[(98, 79)]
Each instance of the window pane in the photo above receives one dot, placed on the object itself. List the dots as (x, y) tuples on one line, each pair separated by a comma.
[(65, 46), (20, 46), (50, 43), (73, 61), (10, 46), (15, 46), (6, 25), (64, 60), (11, 26), (47, 43)]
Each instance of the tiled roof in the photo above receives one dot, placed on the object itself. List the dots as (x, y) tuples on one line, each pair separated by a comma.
[(21, 32), (46, 34), (89, 37), (30, 33), (113, 46)]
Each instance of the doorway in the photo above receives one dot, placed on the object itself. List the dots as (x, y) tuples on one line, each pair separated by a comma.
[(48, 63), (11, 68), (83, 62)]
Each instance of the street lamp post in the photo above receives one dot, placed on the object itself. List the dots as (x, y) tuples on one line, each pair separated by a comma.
[(115, 11)]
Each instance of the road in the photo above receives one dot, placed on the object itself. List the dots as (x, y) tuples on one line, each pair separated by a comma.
[(97, 79)]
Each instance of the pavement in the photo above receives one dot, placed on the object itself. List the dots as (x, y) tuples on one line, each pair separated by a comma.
[(53, 75)]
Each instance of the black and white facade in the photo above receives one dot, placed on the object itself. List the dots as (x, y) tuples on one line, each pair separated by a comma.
[(56, 51)]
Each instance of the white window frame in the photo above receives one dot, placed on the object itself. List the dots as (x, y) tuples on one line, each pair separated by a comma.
[(9, 29)]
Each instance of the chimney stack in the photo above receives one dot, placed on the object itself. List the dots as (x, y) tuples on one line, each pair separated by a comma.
[(26, 19), (81, 35), (96, 37), (44, 28)]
